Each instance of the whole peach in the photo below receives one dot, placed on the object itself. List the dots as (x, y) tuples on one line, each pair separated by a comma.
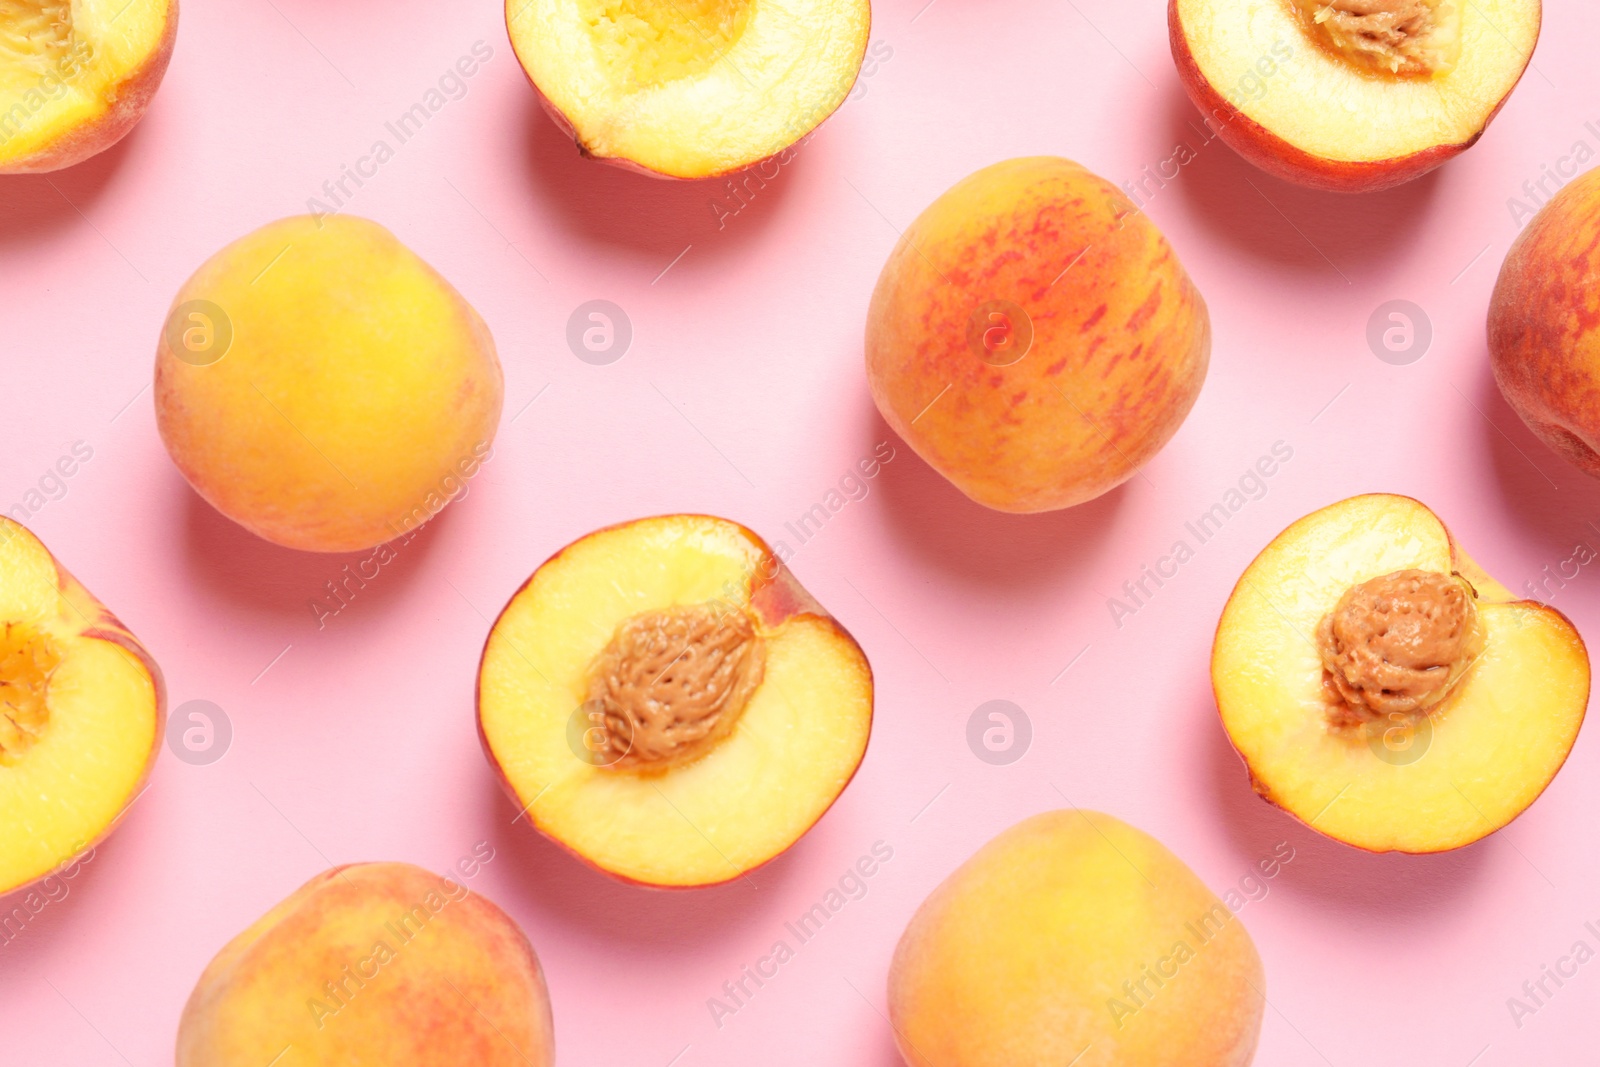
[(1544, 324), (325, 388), (374, 963), (1033, 336)]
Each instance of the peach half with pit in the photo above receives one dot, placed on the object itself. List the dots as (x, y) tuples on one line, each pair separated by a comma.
[(77, 75), (689, 88), (1033, 336), (1544, 324), (323, 387), (664, 700), (372, 963), (1384, 690), (1351, 95), (82, 706), (1074, 938)]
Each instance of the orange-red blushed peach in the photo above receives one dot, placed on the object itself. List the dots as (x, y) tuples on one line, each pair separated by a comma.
[(374, 963), (1033, 336), (1544, 324)]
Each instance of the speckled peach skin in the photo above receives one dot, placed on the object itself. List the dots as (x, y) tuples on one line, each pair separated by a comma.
[(1121, 337), (1544, 324), (373, 963)]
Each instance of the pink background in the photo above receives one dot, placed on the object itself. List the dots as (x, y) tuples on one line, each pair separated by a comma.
[(743, 394)]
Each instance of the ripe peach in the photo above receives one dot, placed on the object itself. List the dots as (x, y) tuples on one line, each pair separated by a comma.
[(1387, 692), (1351, 95), (323, 387), (1544, 324), (81, 710), (76, 77), (1033, 336), (380, 963), (1073, 938), (664, 700), (689, 88)]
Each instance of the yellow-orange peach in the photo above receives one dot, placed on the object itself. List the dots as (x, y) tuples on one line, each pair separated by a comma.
[(325, 388), (1033, 336), (77, 75), (376, 963), (1544, 324), (1073, 938)]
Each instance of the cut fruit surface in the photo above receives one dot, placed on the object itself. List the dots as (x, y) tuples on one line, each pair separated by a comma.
[(1390, 780), (690, 89), (81, 704), (1351, 95), (742, 732), (76, 75)]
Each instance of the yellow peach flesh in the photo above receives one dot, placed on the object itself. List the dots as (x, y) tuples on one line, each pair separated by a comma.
[(1274, 85), (76, 75), (689, 89), (748, 796), (81, 703), (1471, 765)]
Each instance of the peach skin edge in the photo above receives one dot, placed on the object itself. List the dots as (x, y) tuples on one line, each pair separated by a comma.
[(104, 626), (134, 94), (1272, 154), (789, 594), (1464, 566)]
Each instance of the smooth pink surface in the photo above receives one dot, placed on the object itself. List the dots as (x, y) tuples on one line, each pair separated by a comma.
[(358, 742)]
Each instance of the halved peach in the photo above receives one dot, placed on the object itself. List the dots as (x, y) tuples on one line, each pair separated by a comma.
[(1351, 95), (372, 963), (1386, 691), (77, 75), (81, 709), (689, 88), (663, 699)]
